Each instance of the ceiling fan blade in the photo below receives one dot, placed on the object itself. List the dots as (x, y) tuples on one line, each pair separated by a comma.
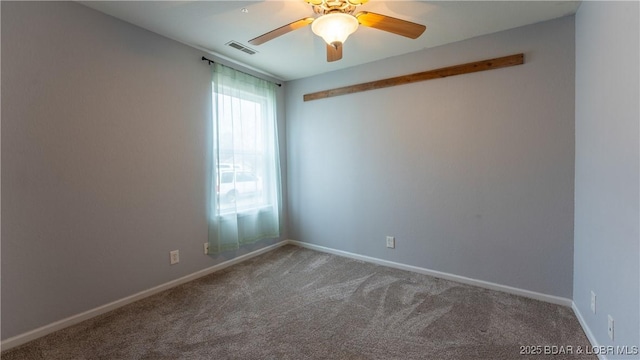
[(281, 31), (390, 24), (334, 52)]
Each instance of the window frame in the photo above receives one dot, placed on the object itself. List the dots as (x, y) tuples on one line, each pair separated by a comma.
[(266, 203)]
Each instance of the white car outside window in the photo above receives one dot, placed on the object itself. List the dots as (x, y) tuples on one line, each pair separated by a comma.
[(238, 185)]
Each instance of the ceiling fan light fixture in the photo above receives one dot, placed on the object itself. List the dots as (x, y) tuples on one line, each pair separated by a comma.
[(334, 27)]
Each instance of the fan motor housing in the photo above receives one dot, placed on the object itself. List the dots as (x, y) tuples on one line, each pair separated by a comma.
[(331, 6)]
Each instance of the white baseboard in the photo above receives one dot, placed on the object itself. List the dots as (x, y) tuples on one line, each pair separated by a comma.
[(586, 329), (75, 319), (442, 275)]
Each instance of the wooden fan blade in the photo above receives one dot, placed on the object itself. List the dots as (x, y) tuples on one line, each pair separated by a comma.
[(334, 51), (281, 31), (390, 24)]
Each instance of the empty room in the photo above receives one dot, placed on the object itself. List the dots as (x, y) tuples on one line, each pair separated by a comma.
[(320, 179)]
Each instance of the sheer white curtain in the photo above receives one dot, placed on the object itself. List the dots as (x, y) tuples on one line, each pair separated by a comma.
[(245, 177)]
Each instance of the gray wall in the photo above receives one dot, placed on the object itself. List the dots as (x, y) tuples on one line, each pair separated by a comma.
[(473, 174), (104, 143), (103, 168), (607, 211)]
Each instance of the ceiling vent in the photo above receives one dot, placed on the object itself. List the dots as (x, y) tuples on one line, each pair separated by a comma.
[(237, 45)]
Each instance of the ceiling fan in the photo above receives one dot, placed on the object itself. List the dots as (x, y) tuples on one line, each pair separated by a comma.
[(336, 22)]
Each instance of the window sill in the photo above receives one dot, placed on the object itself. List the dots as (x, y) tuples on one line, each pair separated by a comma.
[(246, 211)]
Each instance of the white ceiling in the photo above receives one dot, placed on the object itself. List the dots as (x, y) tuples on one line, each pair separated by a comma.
[(211, 25)]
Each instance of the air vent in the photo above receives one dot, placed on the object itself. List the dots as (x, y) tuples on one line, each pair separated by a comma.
[(237, 45)]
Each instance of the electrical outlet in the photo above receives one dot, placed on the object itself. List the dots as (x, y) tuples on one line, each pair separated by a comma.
[(593, 302), (610, 327), (174, 256), (391, 242), (206, 248)]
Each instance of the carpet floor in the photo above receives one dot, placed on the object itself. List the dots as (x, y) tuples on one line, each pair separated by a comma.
[(295, 303)]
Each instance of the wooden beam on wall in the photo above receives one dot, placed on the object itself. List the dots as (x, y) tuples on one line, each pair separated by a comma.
[(472, 67)]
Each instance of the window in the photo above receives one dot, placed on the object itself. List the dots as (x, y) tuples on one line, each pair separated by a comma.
[(245, 167), (243, 157)]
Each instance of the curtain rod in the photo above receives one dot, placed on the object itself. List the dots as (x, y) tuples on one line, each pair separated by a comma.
[(213, 62)]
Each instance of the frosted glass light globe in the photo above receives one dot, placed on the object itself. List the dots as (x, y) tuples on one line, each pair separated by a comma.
[(334, 27)]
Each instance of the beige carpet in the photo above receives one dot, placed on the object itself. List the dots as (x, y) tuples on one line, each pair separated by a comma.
[(294, 303)]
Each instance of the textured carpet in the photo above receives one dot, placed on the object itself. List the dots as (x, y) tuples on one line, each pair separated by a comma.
[(294, 303)]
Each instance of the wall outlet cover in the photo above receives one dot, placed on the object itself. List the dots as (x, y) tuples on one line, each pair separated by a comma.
[(174, 256), (391, 242)]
